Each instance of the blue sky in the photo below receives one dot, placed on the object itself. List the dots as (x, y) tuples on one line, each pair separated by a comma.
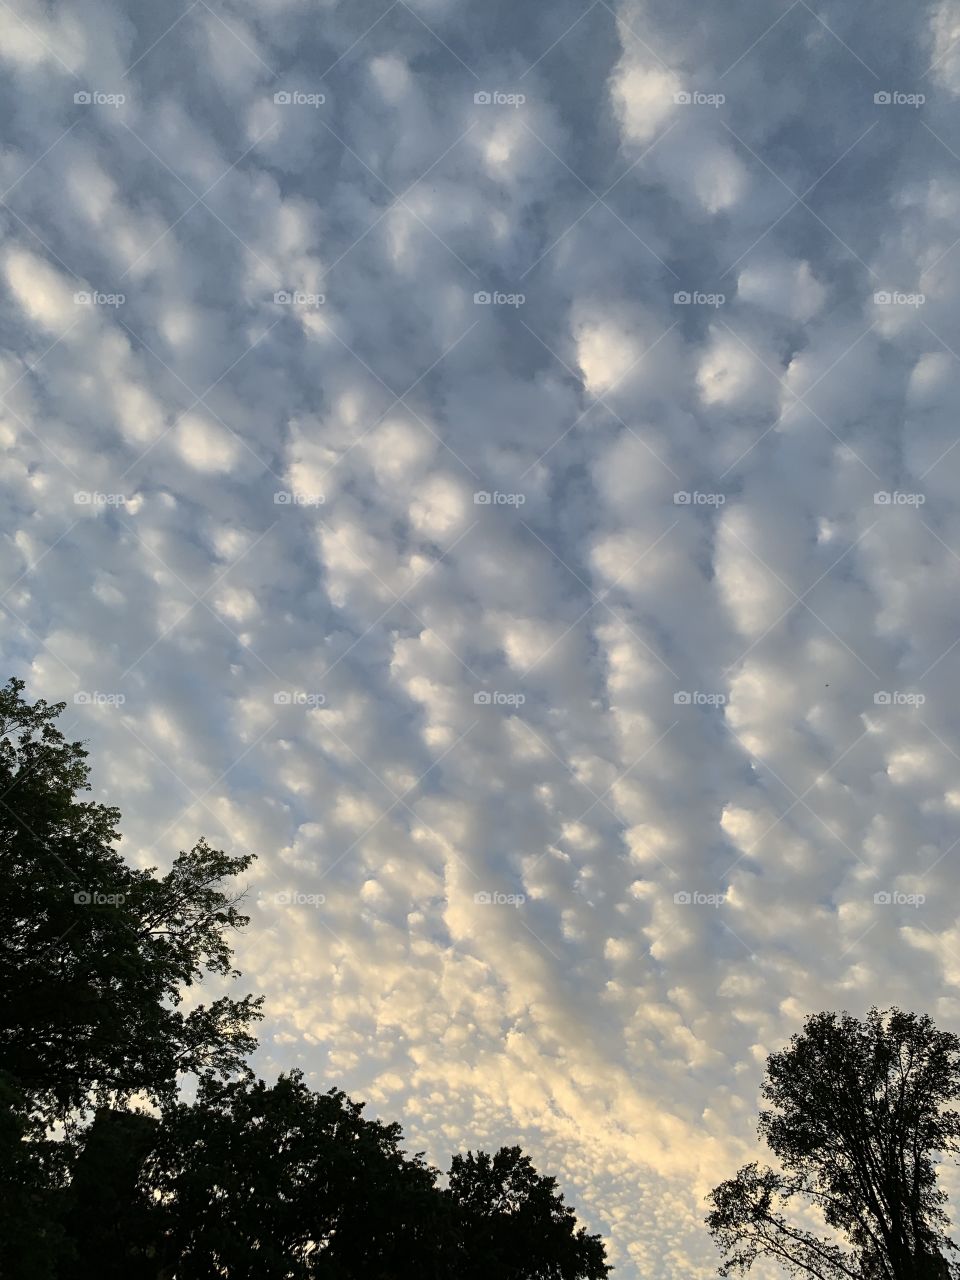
[(498, 463)]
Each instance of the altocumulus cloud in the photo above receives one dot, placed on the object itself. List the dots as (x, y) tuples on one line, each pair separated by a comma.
[(499, 464)]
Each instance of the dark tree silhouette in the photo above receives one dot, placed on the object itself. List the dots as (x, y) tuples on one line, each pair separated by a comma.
[(284, 1183), (516, 1223), (860, 1112), (95, 954)]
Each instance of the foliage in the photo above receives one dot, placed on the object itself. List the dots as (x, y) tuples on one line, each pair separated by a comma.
[(860, 1112)]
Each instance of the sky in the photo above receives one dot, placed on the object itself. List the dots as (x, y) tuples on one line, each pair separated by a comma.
[(498, 463)]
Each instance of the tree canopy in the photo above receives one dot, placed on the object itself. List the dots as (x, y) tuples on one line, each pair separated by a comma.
[(860, 1113)]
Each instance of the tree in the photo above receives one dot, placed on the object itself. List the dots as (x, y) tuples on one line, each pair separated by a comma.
[(860, 1112), (278, 1182), (96, 955), (514, 1223)]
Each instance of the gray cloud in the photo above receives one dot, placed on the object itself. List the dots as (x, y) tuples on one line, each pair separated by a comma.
[(300, 675)]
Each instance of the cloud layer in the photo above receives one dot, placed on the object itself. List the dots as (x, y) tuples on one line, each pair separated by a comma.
[(499, 465)]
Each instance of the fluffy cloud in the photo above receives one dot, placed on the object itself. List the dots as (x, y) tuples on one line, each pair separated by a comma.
[(579, 662)]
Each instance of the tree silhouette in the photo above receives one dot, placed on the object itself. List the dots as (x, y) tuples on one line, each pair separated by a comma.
[(516, 1222), (96, 954), (860, 1112)]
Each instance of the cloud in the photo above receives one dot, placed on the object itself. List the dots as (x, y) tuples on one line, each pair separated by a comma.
[(568, 645)]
